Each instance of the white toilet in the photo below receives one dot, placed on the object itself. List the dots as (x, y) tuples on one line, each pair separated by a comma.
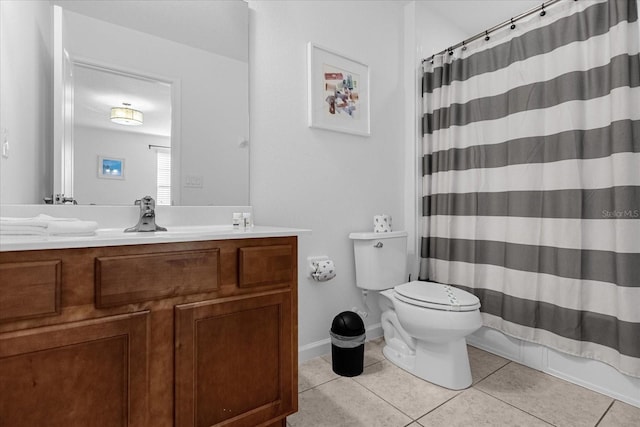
[(424, 323)]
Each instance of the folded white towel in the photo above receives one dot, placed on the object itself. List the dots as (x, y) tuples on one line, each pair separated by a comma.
[(38, 221), (18, 230), (72, 227), (41, 220), (47, 225)]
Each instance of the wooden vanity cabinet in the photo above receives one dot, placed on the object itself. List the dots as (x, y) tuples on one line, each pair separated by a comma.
[(184, 334), (233, 360), (88, 373)]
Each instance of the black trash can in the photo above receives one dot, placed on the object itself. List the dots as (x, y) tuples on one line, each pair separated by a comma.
[(347, 344)]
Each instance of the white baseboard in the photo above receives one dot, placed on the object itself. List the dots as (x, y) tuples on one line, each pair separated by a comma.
[(313, 350), (322, 347), (591, 374)]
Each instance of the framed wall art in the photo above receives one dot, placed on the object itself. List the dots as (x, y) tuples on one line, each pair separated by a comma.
[(338, 89), (110, 167)]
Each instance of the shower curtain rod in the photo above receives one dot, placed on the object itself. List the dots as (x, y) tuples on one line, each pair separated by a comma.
[(496, 27)]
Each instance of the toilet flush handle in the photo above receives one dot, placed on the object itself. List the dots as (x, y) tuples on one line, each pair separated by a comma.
[(378, 245)]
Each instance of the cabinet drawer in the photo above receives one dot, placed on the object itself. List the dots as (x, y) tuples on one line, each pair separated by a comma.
[(266, 265), (29, 289), (128, 279)]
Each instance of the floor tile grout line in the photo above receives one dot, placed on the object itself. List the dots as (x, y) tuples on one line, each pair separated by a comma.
[(332, 379), (394, 406), (384, 400), (489, 374), (459, 392), (552, 376), (605, 413), (319, 384), (367, 389), (473, 386), (387, 402), (500, 368), (443, 403), (401, 411), (561, 379), (514, 406)]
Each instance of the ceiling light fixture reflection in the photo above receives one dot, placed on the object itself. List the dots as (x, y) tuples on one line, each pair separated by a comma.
[(126, 115)]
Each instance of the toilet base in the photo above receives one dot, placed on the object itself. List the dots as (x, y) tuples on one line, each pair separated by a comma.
[(443, 364)]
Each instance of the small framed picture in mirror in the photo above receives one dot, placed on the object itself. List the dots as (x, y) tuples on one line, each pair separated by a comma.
[(110, 167)]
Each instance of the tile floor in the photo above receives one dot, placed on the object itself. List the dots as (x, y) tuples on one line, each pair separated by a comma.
[(503, 393)]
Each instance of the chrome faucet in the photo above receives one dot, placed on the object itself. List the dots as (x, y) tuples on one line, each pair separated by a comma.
[(147, 221)]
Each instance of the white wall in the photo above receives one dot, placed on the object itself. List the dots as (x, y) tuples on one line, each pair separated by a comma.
[(26, 101), (140, 177), (425, 32), (330, 182), (217, 26), (472, 16)]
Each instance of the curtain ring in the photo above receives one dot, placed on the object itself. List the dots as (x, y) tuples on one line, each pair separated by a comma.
[(450, 51), (513, 26), (543, 12), (486, 36), (463, 46), (432, 58)]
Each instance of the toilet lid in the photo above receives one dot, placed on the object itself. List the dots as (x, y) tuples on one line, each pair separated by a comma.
[(436, 296)]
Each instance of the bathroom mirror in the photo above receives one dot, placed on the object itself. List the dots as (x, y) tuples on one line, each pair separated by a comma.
[(194, 132)]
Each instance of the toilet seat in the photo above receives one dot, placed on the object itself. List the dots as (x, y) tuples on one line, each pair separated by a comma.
[(436, 296)]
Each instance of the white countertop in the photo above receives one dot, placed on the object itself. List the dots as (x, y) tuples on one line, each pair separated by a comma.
[(117, 237)]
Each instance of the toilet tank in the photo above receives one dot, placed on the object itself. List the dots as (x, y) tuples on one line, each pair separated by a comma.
[(381, 259)]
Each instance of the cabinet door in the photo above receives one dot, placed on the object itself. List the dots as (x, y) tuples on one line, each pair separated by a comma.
[(88, 373), (234, 361)]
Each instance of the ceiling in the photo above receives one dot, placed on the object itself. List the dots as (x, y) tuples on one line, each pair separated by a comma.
[(476, 16), (96, 91), (196, 23)]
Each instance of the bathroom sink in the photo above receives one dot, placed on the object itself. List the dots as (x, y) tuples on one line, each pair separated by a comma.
[(173, 231), (195, 229)]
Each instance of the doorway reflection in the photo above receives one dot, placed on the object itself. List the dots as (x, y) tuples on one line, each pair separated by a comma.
[(138, 140)]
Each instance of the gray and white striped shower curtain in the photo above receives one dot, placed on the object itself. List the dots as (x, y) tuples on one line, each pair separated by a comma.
[(531, 178)]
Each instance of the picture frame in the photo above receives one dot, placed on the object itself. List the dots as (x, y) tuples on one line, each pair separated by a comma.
[(338, 92), (110, 167)]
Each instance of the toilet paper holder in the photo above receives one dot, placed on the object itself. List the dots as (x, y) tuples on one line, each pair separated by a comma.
[(321, 268)]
